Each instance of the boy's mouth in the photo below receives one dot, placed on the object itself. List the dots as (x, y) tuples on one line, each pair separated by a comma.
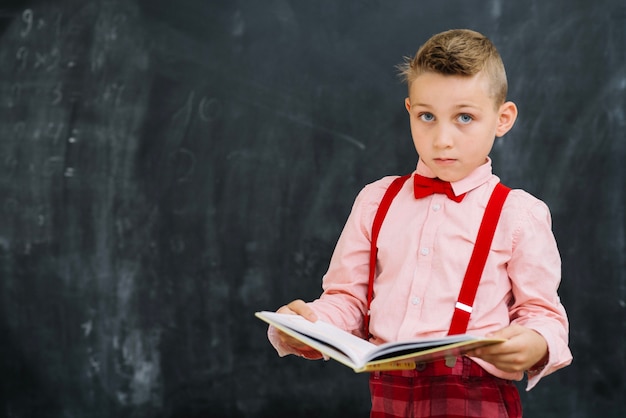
[(444, 161)]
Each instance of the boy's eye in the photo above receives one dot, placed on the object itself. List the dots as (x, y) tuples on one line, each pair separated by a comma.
[(465, 118), (427, 117)]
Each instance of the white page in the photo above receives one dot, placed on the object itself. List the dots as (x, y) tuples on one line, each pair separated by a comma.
[(353, 346)]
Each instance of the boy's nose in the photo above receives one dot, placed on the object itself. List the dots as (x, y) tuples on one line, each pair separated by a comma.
[(442, 137)]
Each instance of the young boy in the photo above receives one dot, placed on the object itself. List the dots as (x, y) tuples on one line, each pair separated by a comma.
[(457, 107)]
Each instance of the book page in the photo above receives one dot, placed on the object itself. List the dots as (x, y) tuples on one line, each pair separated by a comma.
[(352, 346), (418, 344)]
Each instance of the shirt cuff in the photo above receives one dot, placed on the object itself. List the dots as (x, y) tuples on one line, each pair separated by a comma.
[(559, 356)]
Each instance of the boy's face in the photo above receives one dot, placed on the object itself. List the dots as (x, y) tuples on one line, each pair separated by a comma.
[(454, 122)]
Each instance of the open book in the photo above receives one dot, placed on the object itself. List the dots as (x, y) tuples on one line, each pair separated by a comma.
[(363, 356)]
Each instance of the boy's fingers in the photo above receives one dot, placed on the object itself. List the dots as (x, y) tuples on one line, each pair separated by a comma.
[(299, 307), (507, 332)]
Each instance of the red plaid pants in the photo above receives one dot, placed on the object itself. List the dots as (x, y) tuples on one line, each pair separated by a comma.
[(436, 390)]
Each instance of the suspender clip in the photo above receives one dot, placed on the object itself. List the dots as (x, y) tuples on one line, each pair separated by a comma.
[(464, 307)]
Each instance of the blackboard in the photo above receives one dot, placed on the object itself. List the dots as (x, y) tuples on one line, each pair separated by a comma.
[(168, 168)]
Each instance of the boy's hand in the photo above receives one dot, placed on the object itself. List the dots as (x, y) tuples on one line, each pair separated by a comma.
[(299, 307), (523, 349)]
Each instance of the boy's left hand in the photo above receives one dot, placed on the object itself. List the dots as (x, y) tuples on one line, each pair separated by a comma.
[(523, 349)]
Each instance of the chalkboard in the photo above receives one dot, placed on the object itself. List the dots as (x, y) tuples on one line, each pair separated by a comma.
[(168, 168)]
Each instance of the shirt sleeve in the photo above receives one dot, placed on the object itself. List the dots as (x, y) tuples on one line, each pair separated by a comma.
[(344, 300), (535, 273)]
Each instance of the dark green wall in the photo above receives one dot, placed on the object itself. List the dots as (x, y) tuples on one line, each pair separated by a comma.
[(168, 168)]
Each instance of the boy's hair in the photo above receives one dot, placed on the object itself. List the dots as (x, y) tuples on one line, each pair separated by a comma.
[(460, 52)]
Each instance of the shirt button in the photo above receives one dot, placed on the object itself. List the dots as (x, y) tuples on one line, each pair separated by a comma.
[(415, 301), (424, 251), (436, 207)]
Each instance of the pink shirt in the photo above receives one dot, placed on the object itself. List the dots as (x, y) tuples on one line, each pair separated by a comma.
[(424, 248)]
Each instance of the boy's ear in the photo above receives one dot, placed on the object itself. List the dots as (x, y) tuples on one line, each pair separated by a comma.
[(506, 118), (407, 104)]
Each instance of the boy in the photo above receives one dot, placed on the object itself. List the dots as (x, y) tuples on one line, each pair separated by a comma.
[(457, 90)]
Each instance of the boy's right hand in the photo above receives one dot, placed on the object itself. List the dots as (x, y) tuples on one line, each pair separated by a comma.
[(299, 307)]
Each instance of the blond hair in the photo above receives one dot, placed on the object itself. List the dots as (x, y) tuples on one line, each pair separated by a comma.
[(460, 52)]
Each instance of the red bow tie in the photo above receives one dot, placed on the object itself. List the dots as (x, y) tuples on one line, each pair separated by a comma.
[(425, 186)]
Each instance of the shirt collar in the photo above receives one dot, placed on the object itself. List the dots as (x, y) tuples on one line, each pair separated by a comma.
[(476, 178)]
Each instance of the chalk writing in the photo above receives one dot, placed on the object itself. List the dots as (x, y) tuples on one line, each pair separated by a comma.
[(27, 19), (113, 92), (22, 57), (210, 109), (57, 94), (15, 96)]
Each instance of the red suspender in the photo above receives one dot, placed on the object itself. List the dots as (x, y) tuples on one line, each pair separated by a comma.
[(463, 307), (388, 197), (475, 267)]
